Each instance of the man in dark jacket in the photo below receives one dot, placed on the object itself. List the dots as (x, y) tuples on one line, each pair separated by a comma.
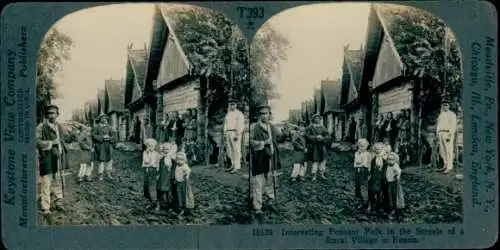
[(52, 159), (265, 158)]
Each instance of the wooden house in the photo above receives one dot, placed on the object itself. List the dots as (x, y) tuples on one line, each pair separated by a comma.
[(94, 111), (88, 113), (101, 106), (114, 105), (385, 72), (169, 71), (303, 110), (351, 95), (310, 110), (294, 116), (330, 107), (317, 101), (134, 100)]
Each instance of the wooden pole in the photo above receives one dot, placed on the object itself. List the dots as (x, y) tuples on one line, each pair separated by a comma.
[(207, 104), (419, 124)]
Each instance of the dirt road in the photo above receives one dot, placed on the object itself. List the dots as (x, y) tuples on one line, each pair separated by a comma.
[(431, 197), (220, 198)]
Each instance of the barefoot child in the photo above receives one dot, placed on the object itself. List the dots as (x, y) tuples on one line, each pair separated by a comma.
[(150, 162), (164, 188), (392, 175), (299, 161), (184, 194), (362, 163), (87, 164), (376, 179)]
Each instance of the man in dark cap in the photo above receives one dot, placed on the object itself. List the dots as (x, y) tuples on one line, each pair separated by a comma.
[(265, 158), (103, 138), (234, 124), (52, 159)]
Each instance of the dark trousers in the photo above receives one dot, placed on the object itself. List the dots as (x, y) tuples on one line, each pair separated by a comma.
[(360, 181), (392, 188), (150, 184), (375, 198)]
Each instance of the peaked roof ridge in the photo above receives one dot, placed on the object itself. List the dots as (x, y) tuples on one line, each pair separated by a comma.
[(172, 32)]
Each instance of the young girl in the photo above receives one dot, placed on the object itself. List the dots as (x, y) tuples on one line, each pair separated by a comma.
[(183, 192), (299, 145), (392, 176), (376, 179), (87, 164), (362, 162), (165, 171), (150, 162)]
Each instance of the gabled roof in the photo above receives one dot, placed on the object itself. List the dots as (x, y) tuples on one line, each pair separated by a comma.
[(115, 92), (163, 31), (391, 20), (352, 67), (135, 76), (331, 92)]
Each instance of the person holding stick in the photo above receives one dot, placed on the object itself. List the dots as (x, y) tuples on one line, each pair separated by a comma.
[(52, 159), (264, 158)]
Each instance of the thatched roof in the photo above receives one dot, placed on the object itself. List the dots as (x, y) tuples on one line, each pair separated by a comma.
[(135, 76), (331, 90), (115, 93)]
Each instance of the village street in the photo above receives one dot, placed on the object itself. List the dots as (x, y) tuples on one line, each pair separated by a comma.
[(430, 196), (220, 197)]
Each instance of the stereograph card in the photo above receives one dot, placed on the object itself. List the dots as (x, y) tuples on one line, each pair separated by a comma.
[(249, 125)]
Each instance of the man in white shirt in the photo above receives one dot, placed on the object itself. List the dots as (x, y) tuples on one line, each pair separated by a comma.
[(446, 129), (234, 124)]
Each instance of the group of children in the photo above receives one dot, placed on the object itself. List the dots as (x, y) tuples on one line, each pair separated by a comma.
[(310, 145), (379, 174), (166, 177)]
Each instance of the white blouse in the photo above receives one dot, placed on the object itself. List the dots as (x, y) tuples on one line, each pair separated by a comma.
[(392, 173), (362, 159), (150, 159), (182, 173)]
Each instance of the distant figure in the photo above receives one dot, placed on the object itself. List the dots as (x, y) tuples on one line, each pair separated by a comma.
[(378, 131), (317, 139), (351, 136), (104, 138), (52, 159), (390, 129), (446, 129), (300, 155), (362, 131), (234, 124)]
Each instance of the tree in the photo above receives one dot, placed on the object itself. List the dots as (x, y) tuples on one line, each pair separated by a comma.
[(54, 50), (268, 48)]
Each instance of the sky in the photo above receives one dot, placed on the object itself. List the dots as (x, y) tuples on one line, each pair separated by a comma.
[(100, 39), (317, 35)]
